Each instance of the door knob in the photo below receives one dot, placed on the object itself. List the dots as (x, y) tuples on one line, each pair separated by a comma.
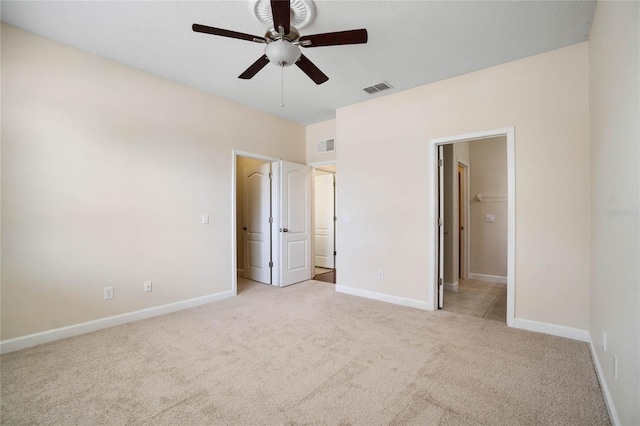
[(285, 230), (244, 228)]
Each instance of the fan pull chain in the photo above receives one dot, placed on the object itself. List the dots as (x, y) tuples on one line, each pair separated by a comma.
[(282, 86)]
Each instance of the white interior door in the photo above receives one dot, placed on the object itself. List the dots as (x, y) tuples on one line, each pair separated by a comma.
[(324, 229), (295, 223), (440, 226), (257, 210)]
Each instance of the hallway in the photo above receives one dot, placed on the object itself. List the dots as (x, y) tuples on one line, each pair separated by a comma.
[(479, 299)]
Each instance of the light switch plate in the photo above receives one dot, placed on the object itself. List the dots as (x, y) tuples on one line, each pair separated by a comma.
[(490, 218), (205, 219)]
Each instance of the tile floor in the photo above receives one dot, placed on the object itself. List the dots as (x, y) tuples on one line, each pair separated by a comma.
[(479, 299), (320, 271), (326, 275)]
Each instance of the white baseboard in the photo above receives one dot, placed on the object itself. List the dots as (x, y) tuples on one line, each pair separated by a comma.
[(613, 414), (451, 287), (488, 278), (552, 329), (412, 303), (24, 342)]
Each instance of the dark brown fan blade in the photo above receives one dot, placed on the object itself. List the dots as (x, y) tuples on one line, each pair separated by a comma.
[(335, 39), (311, 70), (281, 11), (227, 33), (254, 68)]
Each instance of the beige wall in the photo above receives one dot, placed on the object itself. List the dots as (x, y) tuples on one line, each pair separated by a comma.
[(241, 163), (488, 241), (316, 132), (615, 191), (106, 171), (384, 173)]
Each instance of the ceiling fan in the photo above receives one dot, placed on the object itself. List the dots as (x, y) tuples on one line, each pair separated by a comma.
[(283, 42)]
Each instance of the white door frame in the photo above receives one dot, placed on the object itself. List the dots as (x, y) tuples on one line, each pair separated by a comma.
[(432, 155), (315, 165), (331, 218), (275, 278)]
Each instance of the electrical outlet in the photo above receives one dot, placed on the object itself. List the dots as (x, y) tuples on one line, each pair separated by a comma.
[(615, 367), (604, 340), (381, 274), (108, 293), (147, 286)]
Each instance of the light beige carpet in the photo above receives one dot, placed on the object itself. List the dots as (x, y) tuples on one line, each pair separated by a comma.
[(304, 355)]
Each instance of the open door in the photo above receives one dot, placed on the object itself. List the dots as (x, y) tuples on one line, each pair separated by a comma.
[(257, 226), (295, 223), (440, 226), (324, 220)]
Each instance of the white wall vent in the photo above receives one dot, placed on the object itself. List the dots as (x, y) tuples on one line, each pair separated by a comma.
[(377, 88), (327, 145)]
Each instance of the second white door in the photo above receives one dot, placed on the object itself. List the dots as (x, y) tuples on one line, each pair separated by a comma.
[(295, 223)]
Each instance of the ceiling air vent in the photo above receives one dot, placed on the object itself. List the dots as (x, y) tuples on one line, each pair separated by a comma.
[(377, 88), (327, 145)]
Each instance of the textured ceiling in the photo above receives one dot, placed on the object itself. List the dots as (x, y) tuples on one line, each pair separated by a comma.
[(411, 43)]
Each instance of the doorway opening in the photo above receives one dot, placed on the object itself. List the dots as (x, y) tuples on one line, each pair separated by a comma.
[(482, 293), (271, 221), (324, 223), (474, 223), (254, 213)]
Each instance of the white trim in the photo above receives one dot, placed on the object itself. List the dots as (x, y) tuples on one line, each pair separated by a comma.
[(321, 163), (412, 303), (511, 226), (433, 144), (613, 414), (488, 278), (245, 154), (24, 342), (552, 329), (234, 231), (451, 286), (275, 225), (240, 272)]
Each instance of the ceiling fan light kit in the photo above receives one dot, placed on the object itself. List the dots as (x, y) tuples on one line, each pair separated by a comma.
[(283, 40), (282, 53)]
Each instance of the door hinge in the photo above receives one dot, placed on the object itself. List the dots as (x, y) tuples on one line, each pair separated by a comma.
[(270, 175), (270, 264), (439, 281), (334, 183), (335, 253), (439, 221), (335, 218), (440, 162), (270, 220)]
